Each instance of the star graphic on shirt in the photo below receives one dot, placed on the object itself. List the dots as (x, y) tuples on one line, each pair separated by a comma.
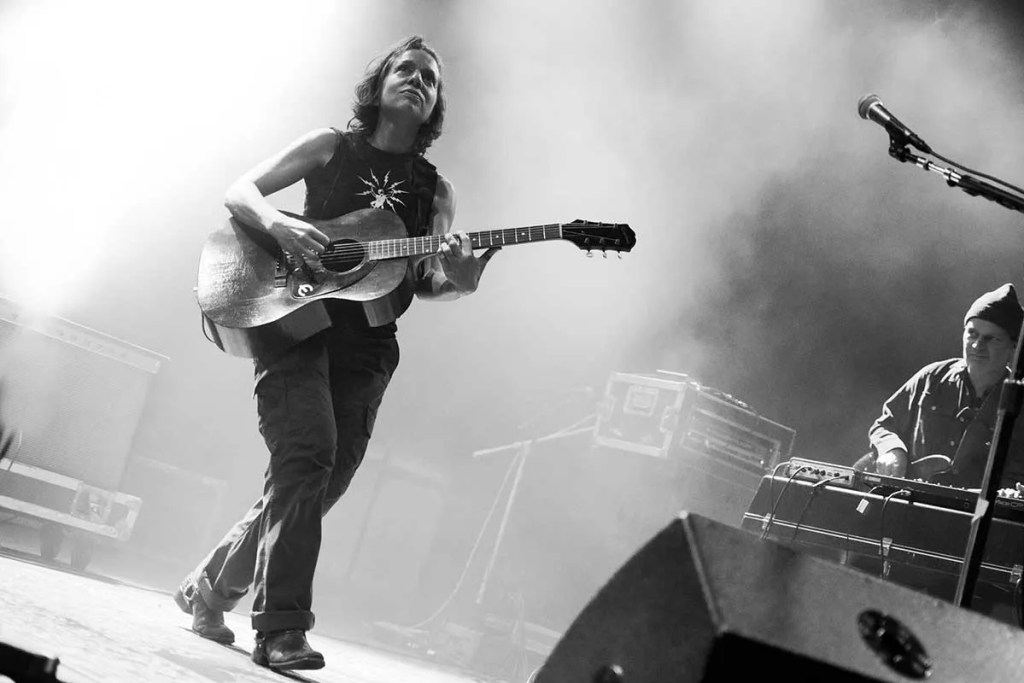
[(384, 193)]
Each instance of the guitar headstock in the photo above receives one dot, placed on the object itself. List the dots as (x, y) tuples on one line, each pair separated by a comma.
[(591, 235)]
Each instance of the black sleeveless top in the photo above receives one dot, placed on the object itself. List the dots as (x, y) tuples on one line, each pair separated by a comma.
[(360, 176)]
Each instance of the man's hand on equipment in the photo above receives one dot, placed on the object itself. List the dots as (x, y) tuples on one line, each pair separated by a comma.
[(892, 463)]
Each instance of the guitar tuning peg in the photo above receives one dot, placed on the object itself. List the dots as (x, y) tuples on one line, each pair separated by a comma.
[(619, 254), (590, 254), (604, 253)]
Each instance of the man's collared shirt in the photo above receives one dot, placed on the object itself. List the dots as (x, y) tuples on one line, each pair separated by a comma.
[(938, 412)]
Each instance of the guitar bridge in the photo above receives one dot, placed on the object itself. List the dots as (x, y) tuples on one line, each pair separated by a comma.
[(281, 270)]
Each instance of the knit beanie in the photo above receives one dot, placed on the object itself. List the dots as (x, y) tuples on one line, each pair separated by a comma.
[(1000, 306)]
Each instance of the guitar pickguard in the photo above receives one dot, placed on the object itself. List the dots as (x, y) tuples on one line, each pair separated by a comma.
[(304, 284)]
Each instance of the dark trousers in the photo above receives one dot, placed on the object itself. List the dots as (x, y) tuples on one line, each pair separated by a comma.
[(317, 404)]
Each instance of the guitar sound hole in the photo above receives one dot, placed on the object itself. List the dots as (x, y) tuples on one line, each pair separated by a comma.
[(343, 255)]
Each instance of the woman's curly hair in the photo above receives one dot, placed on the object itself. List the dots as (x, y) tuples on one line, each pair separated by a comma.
[(366, 108)]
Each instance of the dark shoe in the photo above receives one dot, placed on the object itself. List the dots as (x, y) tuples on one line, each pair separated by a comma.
[(206, 621), (286, 650)]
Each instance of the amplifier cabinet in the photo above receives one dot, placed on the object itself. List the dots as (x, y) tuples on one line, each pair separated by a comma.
[(639, 413), (666, 416), (75, 394)]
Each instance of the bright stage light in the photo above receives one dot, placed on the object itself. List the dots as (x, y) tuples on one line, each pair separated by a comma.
[(111, 109)]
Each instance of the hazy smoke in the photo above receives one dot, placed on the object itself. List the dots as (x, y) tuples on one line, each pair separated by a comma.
[(783, 257)]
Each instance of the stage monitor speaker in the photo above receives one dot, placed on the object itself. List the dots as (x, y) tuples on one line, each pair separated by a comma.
[(74, 394), (706, 602)]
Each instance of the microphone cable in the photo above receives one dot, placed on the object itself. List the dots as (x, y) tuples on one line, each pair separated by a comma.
[(775, 507), (1018, 603), (978, 173), (771, 496), (815, 488), (881, 523)]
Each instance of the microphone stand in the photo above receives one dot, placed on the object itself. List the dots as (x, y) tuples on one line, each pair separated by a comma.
[(1010, 395), (1009, 408), (521, 450), (976, 187)]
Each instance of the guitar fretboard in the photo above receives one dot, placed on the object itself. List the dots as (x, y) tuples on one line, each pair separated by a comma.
[(429, 244)]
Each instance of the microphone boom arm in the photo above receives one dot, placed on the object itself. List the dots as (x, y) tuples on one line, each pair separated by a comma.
[(899, 150)]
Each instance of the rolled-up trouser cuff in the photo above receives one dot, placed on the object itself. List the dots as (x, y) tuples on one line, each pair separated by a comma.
[(212, 599), (282, 621)]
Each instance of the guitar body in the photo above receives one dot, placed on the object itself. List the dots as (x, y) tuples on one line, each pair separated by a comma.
[(257, 302)]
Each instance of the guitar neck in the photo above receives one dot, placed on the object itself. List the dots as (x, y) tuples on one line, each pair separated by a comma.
[(430, 244)]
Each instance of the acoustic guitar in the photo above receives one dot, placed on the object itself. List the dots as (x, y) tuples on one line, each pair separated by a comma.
[(255, 299)]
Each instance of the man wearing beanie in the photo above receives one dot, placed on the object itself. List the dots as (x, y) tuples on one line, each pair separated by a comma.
[(938, 426)]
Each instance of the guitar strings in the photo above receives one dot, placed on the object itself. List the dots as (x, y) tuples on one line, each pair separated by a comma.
[(345, 250)]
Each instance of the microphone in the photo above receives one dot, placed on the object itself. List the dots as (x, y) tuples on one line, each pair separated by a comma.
[(871, 108)]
